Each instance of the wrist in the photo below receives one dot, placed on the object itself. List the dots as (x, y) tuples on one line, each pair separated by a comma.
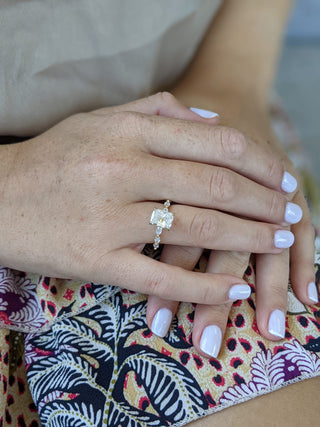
[(235, 108)]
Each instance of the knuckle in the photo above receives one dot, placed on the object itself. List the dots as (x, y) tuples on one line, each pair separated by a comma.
[(203, 227), (220, 313), (156, 283), (222, 185), (280, 293), (233, 143), (112, 167), (207, 295), (276, 206), (274, 169), (261, 239), (127, 123), (234, 262), (165, 97)]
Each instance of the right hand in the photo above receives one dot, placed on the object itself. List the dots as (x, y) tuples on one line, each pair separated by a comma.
[(79, 197)]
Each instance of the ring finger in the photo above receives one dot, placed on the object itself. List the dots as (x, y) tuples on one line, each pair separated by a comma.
[(206, 228)]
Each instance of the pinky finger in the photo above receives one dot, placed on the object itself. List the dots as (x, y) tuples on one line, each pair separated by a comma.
[(145, 275)]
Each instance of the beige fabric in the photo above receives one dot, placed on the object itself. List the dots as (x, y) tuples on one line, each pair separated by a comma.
[(58, 57)]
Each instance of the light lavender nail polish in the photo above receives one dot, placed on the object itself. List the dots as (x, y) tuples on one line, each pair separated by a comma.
[(277, 323), (313, 292), (293, 213), (210, 342), (161, 322), (289, 183), (239, 292), (283, 239), (206, 114)]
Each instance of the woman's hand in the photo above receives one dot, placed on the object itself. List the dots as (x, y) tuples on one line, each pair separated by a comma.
[(78, 199), (271, 273)]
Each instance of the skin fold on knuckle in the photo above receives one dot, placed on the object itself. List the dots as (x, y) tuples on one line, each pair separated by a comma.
[(232, 142), (157, 283), (235, 262), (206, 294), (262, 239), (222, 185), (279, 294), (274, 170), (203, 229), (276, 205)]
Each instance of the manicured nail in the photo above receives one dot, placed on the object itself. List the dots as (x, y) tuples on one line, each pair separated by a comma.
[(313, 292), (206, 114), (283, 239), (239, 292), (277, 323), (161, 322), (210, 342), (289, 183), (293, 213)]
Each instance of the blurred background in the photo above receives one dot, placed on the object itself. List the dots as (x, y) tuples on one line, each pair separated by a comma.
[(298, 77)]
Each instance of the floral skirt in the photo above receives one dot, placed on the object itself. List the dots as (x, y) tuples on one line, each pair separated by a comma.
[(76, 354)]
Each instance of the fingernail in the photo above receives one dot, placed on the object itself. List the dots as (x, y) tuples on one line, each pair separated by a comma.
[(206, 114), (277, 322), (293, 213), (283, 239), (313, 292), (210, 342), (239, 292), (289, 183), (161, 322)]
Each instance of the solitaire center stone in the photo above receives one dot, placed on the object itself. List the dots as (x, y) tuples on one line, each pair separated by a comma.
[(161, 218)]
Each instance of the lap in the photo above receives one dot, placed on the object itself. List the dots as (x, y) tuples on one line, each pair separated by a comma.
[(293, 406)]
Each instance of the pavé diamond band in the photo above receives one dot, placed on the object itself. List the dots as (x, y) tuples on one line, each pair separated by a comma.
[(162, 218)]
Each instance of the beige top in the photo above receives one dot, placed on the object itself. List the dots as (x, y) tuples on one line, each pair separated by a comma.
[(59, 57)]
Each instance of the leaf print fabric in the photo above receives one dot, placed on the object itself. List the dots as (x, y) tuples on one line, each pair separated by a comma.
[(87, 361), (103, 366)]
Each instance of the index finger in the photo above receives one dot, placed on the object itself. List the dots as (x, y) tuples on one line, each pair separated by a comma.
[(215, 145)]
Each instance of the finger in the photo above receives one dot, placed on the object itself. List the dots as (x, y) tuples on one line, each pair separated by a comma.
[(160, 311), (221, 189), (302, 274), (217, 145), (272, 273), (210, 229), (145, 275), (210, 320), (163, 104)]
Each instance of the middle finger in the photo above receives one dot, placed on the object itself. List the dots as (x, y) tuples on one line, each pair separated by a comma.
[(216, 188)]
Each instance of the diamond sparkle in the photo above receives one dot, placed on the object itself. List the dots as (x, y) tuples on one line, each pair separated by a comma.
[(162, 219)]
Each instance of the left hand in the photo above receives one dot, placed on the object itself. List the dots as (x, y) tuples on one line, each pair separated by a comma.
[(272, 271)]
